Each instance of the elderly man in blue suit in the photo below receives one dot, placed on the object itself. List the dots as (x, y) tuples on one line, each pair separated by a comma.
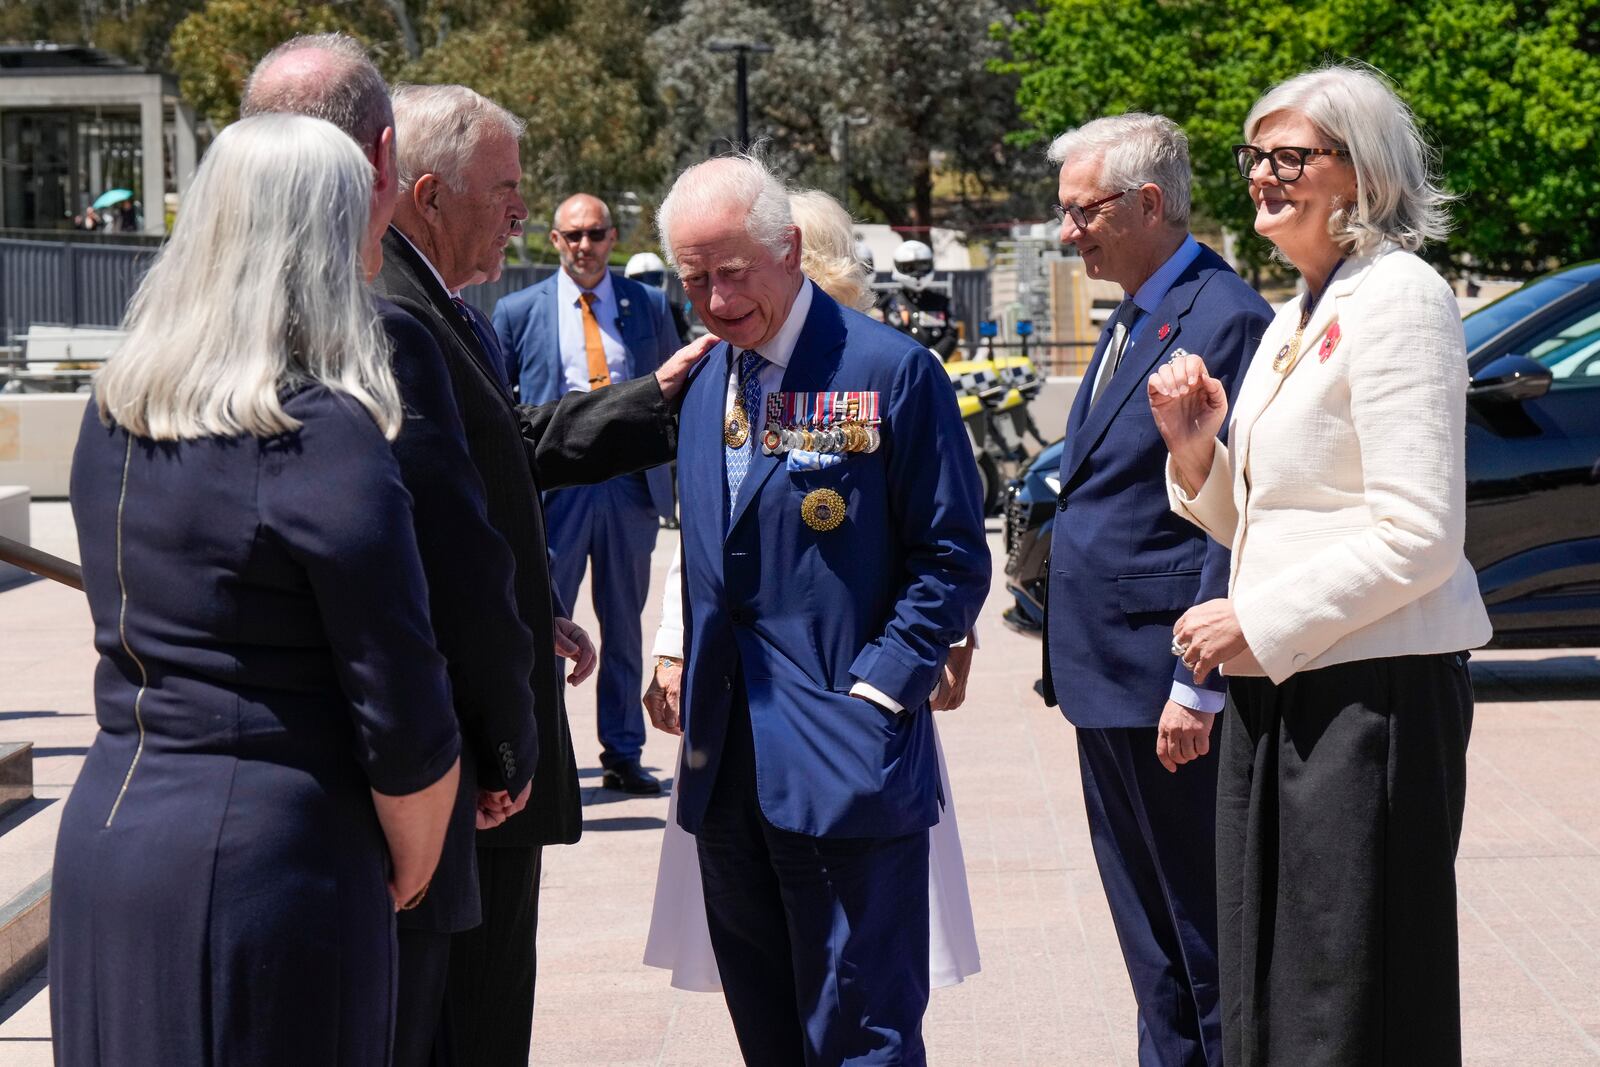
[(833, 551), (1123, 569), (584, 328)]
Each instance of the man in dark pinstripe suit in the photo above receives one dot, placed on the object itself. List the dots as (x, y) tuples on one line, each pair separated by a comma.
[(459, 174)]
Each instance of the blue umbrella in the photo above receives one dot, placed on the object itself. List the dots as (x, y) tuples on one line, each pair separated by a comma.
[(112, 196)]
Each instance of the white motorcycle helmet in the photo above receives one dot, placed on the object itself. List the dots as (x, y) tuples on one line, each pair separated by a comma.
[(646, 268), (913, 264), (864, 256)]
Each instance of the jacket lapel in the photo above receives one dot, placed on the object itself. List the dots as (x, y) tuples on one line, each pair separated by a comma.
[(428, 288), (1080, 403), (1143, 354), (811, 369)]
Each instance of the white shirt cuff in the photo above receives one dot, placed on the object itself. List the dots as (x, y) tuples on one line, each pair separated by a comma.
[(1196, 699), (877, 696)]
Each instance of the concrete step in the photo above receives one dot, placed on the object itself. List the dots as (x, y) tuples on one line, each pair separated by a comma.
[(16, 775), (27, 850)]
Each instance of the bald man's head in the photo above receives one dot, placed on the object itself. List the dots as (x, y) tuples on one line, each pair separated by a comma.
[(327, 76), (583, 236)]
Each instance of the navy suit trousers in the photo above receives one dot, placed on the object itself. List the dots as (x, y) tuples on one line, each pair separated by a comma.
[(614, 524), (1154, 837), (821, 943)]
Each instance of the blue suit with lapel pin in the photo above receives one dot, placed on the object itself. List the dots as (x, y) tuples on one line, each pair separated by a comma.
[(810, 804), (1123, 568), (613, 523)]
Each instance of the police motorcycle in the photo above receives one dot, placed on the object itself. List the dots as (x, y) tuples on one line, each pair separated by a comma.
[(1030, 513), (919, 304)]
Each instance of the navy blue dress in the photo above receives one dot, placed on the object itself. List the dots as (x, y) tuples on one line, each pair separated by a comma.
[(265, 658)]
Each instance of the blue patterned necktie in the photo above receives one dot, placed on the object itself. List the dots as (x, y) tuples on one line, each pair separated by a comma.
[(737, 460), (487, 340)]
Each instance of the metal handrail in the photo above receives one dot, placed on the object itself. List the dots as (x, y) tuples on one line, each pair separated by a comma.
[(41, 563)]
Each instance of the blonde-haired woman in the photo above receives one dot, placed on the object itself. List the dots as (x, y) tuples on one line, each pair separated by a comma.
[(679, 939), (1341, 491), (277, 754), (828, 249)]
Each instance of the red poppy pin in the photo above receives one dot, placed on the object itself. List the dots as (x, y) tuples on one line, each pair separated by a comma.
[(1166, 328), (1329, 343)]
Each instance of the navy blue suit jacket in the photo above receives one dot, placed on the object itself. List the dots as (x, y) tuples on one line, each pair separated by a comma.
[(1122, 566), (473, 608), (796, 616), (528, 324)]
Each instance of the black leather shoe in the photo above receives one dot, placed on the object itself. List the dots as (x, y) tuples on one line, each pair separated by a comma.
[(631, 778)]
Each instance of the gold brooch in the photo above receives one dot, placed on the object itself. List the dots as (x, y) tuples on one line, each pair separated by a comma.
[(736, 431), (822, 510)]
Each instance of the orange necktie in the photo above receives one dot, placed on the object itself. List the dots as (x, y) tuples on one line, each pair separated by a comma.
[(593, 346)]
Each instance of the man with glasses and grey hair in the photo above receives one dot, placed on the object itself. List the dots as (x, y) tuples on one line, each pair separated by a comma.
[(1124, 568)]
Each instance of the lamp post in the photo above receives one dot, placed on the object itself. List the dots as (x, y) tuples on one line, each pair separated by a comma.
[(741, 51), (845, 122)]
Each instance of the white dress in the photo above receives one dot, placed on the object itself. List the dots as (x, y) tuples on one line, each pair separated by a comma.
[(679, 939), (680, 942)]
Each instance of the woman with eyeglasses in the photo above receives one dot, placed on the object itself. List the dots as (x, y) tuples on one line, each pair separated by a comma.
[(1351, 606)]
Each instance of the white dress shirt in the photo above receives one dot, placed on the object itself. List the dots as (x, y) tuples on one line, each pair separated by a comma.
[(569, 324)]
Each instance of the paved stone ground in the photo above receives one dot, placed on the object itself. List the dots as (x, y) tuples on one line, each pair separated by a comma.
[(1052, 989)]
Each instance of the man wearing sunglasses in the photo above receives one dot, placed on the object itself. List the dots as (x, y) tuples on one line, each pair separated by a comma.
[(585, 328), (1124, 568)]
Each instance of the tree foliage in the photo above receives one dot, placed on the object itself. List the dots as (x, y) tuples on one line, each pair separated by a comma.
[(1508, 92), (917, 70)]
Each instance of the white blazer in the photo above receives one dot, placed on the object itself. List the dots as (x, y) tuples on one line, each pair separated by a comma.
[(1342, 487)]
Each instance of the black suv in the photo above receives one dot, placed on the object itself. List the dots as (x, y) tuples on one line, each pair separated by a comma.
[(1533, 470)]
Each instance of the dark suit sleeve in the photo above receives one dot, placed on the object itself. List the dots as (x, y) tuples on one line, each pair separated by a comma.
[(468, 566), (585, 438), (338, 506), (938, 515), (510, 345), (1227, 357)]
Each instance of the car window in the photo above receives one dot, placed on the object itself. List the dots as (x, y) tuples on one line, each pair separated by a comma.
[(1572, 351), (1491, 319)]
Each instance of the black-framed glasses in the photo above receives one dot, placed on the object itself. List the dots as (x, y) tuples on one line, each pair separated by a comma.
[(1079, 213), (1288, 163), (595, 235)]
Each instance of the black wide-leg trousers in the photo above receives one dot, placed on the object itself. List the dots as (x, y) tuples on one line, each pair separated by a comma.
[(1339, 804)]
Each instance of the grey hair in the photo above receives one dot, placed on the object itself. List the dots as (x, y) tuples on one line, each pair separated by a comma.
[(1135, 149), (1399, 197), (828, 248), (351, 94), (743, 181), (439, 128), (260, 290)]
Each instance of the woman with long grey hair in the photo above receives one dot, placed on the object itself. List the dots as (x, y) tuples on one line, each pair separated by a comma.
[(1351, 606), (277, 754)]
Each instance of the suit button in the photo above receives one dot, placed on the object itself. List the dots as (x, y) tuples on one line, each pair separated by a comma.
[(737, 616), (1061, 501), (727, 683)]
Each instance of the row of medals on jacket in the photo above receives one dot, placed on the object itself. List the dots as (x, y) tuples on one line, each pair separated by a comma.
[(850, 434)]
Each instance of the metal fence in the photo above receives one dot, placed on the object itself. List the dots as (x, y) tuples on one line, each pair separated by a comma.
[(66, 283), (74, 283)]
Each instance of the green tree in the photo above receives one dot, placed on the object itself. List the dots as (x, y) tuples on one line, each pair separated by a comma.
[(1508, 92), (588, 130), (584, 95), (917, 70), (214, 49)]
